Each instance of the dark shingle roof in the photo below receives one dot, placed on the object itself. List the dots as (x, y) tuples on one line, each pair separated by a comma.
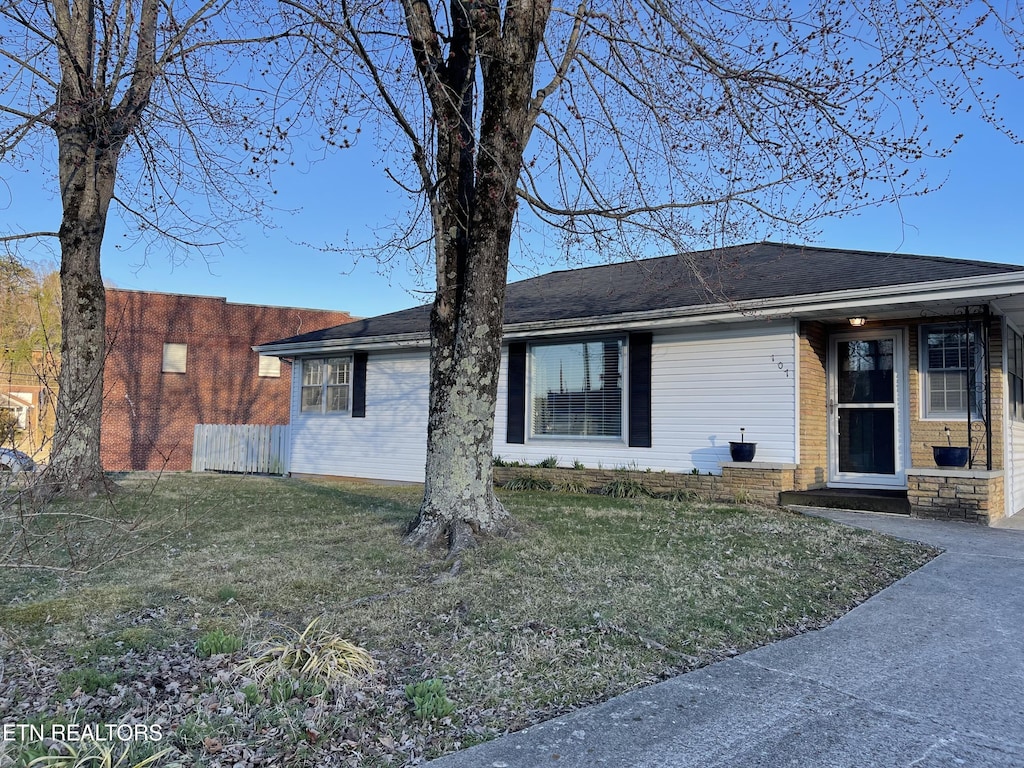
[(737, 273)]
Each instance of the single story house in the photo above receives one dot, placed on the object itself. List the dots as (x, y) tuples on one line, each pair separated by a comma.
[(845, 367), (19, 405)]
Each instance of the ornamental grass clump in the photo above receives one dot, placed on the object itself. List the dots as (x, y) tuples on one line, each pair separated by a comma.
[(217, 642), (429, 699), (317, 657), (89, 753), (626, 488), (528, 483), (572, 485)]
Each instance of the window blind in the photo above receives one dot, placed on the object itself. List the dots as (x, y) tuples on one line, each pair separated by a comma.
[(576, 389)]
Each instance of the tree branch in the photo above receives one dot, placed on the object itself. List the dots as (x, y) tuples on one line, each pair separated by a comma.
[(26, 236), (568, 56)]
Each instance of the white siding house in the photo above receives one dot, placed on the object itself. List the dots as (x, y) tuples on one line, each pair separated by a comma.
[(706, 384), (844, 367), (389, 443)]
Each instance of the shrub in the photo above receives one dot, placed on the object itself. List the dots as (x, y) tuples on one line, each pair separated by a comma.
[(551, 462), (8, 426), (89, 753), (497, 461)]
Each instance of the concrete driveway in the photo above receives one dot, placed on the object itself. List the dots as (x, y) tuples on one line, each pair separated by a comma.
[(929, 672)]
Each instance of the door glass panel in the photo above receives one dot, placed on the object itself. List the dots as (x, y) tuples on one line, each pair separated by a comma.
[(867, 440), (866, 371)]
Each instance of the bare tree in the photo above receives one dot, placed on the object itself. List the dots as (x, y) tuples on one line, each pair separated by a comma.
[(630, 124), (167, 111)]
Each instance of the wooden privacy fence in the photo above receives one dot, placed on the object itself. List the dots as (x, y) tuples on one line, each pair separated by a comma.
[(249, 448)]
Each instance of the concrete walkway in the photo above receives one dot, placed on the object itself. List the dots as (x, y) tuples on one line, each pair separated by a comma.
[(930, 672)]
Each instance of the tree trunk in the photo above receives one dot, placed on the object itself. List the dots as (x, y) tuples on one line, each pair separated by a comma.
[(474, 214), (459, 504), (87, 172)]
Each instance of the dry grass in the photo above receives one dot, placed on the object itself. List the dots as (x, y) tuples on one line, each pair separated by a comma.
[(592, 597)]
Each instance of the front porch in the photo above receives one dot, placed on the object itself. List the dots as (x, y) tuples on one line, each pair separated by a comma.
[(974, 496), (856, 499), (914, 485)]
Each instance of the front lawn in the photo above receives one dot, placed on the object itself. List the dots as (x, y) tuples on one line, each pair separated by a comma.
[(592, 597)]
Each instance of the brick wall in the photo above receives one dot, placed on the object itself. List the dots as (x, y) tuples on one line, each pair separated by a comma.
[(926, 433), (812, 471), (149, 415)]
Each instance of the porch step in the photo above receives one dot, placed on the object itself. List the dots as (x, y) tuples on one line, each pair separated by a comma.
[(869, 500)]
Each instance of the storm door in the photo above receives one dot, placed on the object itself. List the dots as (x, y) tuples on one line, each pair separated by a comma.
[(865, 410)]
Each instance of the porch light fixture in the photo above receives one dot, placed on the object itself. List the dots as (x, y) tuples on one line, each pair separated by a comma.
[(857, 322)]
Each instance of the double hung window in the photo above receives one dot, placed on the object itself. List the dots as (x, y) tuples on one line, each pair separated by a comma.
[(326, 384), (576, 389), (953, 368)]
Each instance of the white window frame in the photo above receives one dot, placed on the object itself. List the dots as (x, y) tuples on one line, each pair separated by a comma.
[(533, 384), (269, 367), (175, 359), (19, 413), (926, 371), (341, 368), (1014, 346)]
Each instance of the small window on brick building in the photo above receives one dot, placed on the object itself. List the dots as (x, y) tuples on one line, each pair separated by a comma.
[(174, 358), (270, 367)]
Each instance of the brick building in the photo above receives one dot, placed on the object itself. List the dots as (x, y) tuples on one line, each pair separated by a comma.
[(174, 361)]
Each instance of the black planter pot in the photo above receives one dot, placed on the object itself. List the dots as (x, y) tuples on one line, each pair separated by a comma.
[(742, 451), (950, 456)]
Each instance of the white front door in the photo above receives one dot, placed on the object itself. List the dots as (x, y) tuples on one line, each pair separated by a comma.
[(866, 411)]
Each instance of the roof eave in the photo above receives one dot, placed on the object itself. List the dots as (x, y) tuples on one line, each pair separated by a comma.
[(1006, 283), (377, 343), (806, 305)]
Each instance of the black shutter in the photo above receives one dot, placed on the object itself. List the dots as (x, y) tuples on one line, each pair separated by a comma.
[(515, 430), (640, 390), (359, 385)]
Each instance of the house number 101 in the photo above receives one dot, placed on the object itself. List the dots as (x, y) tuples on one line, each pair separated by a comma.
[(782, 366)]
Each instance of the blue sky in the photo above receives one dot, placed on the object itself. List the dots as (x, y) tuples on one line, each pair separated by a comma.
[(976, 215)]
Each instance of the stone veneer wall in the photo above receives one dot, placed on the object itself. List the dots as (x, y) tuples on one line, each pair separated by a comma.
[(943, 494), (758, 482), (956, 494)]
